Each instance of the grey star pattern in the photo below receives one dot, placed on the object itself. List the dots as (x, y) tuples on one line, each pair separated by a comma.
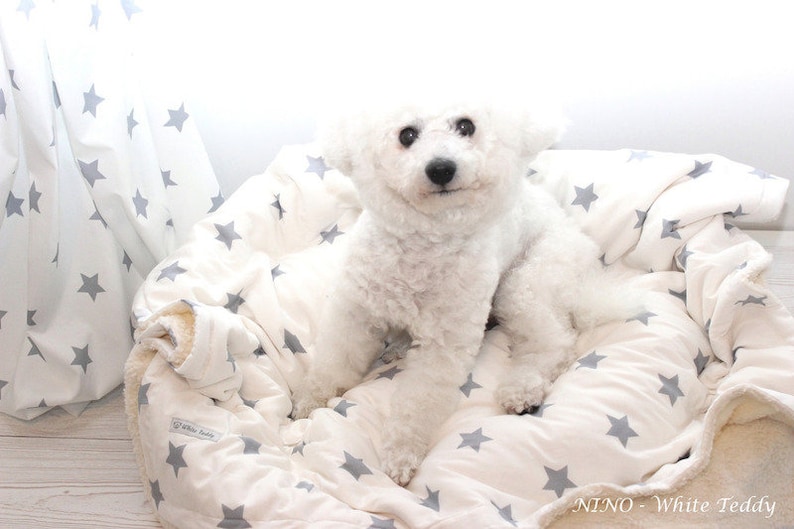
[(292, 343), (506, 513), (127, 261), (217, 201), (34, 349), (380, 523), (389, 373), (3, 103), (316, 166), (305, 485), (143, 395), (473, 440), (11, 72), (98, 216), (670, 388), (3, 383), (539, 410), (558, 480), (738, 212), (157, 495), (56, 98), (701, 361), (469, 386), (752, 300), (250, 445), (95, 14), (670, 229), (763, 175), (26, 6), (343, 406), (177, 118), (14, 205), (171, 271), (432, 501), (91, 100), (680, 295), (276, 271), (620, 428), (641, 217), (585, 196), (233, 518), (330, 235), (638, 156), (91, 171), (130, 8), (278, 206), (140, 204), (226, 234), (700, 169), (91, 286), (167, 181), (31, 315), (33, 198), (175, 457), (81, 357), (590, 361), (131, 123), (2, 315), (355, 466), (299, 448), (683, 257), (235, 300), (643, 317)]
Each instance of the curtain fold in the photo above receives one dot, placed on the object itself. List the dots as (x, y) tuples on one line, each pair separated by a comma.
[(102, 173)]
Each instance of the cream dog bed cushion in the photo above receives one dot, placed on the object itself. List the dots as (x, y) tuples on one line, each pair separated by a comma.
[(225, 327)]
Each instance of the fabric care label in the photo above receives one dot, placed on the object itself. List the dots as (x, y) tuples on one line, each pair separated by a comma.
[(193, 430)]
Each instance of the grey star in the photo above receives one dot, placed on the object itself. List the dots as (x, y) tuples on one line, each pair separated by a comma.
[(130, 8), (763, 175), (34, 349), (620, 428), (169, 223), (233, 518), (140, 204), (143, 395), (3, 383), (308, 487), (91, 100), (752, 300), (91, 286), (316, 166), (680, 295), (2, 315), (584, 196), (380, 523), (389, 373), (701, 361), (91, 171), (506, 513), (700, 169), (226, 234), (432, 500), (474, 439), (259, 351), (641, 216), (177, 118), (683, 257), (25, 6), (33, 197), (31, 315), (126, 261), (343, 406), (98, 216), (278, 206), (355, 466), (131, 123), (292, 343), (43, 404), (590, 361), (217, 201), (171, 271), (95, 13), (250, 402), (670, 388), (738, 212), (3, 103), (330, 235), (11, 73), (175, 457), (250, 446), (235, 300), (299, 448), (57, 254), (469, 386), (157, 495), (56, 98), (14, 205), (81, 357), (558, 480), (670, 229), (538, 411), (167, 179), (643, 317), (276, 271), (638, 156)]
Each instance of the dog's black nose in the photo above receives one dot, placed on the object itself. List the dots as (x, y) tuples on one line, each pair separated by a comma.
[(441, 171)]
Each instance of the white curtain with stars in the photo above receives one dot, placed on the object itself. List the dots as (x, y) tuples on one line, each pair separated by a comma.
[(102, 172)]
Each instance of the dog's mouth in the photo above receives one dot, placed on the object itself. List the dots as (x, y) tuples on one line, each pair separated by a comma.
[(445, 192)]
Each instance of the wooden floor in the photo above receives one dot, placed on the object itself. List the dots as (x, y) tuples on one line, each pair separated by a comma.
[(60, 471)]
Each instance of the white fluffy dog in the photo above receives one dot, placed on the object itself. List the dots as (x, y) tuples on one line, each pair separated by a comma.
[(452, 232)]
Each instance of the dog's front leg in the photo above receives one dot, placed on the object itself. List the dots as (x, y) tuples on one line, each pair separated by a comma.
[(427, 395), (347, 344)]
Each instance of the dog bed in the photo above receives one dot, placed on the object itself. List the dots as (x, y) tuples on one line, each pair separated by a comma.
[(224, 329)]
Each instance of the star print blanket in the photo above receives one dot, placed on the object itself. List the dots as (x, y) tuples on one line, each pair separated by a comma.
[(225, 329)]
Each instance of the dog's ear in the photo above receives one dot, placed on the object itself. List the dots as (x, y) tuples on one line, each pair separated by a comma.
[(543, 126)]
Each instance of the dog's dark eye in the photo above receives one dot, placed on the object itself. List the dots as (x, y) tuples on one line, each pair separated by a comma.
[(465, 127), (408, 136)]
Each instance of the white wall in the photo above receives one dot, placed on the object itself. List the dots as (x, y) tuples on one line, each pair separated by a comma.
[(685, 76)]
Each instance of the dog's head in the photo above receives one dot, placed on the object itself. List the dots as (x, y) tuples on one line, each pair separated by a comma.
[(438, 166)]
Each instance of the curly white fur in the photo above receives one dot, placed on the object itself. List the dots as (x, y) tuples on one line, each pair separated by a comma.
[(432, 259)]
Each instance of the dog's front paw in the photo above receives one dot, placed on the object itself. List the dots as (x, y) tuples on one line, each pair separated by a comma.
[(400, 461), (522, 393), (305, 400)]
